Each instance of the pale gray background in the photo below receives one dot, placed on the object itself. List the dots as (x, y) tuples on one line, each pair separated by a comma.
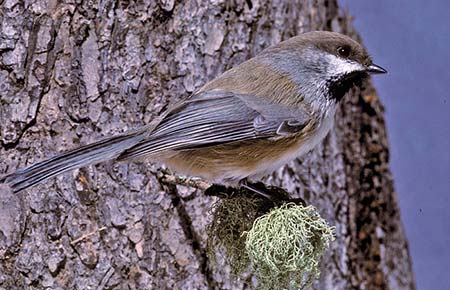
[(411, 39)]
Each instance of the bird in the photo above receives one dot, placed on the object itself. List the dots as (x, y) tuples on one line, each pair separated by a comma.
[(242, 125)]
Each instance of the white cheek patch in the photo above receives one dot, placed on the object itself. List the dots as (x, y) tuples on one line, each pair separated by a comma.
[(339, 66)]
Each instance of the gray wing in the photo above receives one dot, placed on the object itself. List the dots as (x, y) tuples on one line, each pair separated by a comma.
[(218, 117)]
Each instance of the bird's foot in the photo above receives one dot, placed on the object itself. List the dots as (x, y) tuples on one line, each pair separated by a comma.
[(220, 191)]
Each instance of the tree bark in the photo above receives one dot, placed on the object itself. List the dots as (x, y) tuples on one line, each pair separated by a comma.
[(74, 71)]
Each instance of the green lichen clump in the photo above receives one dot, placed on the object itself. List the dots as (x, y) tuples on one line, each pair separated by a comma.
[(285, 246), (231, 217), (280, 241)]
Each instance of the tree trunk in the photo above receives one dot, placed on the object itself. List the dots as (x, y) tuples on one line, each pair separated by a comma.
[(74, 71)]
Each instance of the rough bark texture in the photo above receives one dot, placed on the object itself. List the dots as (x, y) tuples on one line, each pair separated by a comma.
[(73, 71)]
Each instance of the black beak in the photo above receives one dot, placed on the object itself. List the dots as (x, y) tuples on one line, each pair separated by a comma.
[(375, 69)]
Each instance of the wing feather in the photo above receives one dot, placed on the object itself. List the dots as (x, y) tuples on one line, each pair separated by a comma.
[(216, 117)]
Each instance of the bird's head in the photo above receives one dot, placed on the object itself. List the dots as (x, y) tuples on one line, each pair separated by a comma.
[(323, 64)]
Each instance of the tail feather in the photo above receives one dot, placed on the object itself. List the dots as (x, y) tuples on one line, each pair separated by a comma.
[(102, 150)]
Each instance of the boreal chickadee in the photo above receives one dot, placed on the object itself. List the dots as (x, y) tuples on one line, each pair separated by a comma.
[(245, 123)]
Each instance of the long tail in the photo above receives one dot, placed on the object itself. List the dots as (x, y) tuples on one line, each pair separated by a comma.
[(102, 150)]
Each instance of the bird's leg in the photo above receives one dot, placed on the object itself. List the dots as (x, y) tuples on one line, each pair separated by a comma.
[(252, 188), (272, 193)]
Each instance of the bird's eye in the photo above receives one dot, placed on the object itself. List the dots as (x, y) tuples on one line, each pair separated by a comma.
[(343, 51)]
